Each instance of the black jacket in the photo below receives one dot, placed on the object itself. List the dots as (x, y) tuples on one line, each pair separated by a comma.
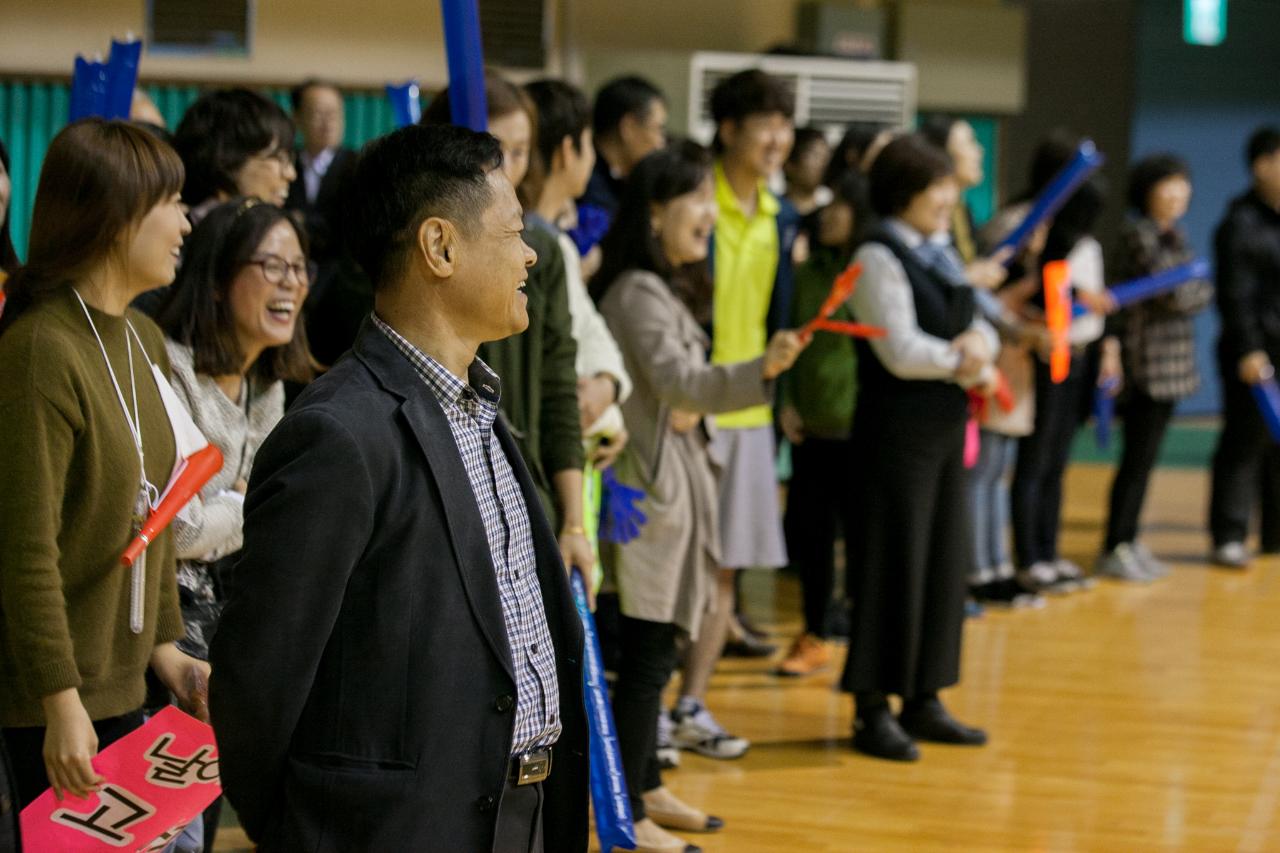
[(323, 216), (1247, 245), (363, 688)]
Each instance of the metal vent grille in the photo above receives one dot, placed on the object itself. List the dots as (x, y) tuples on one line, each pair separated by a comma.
[(514, 33), (830, 93), (200, 26)]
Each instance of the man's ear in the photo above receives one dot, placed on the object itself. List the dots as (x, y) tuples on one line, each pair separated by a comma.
[(727, 130), (438, 246), (560, 157)]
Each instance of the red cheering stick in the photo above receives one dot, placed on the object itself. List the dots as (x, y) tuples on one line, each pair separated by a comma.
[(843, 327), (1057, 316), (197, 469), (1004, 394), (841, 290)]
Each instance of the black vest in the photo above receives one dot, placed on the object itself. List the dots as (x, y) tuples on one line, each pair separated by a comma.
[(943, 310)]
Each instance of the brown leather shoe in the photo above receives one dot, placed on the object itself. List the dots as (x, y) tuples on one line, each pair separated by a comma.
[(808, 655)]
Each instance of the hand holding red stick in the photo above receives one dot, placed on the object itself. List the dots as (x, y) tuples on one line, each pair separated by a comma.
[(841, 289), (200, 468)]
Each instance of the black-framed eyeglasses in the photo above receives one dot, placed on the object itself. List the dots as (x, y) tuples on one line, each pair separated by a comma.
[(275, 269)]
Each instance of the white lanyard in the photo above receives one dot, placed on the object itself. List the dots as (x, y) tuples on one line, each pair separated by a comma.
[(134, 421), (148, 495)]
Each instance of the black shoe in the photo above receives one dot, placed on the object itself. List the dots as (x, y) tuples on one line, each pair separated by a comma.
[(749, 627), (744, 644), (928, 720), (1005, 593), (878, 734)]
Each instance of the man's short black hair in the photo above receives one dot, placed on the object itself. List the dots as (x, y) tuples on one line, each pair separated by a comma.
[(298, 92), (748, 93), (408, 176), (905, 168), (806, 137), (562, 111), (222, 130), (622, 97), (1263, 142), (1148, 172), (751, 92)]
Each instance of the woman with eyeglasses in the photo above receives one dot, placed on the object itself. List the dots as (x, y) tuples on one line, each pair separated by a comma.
[(232, 334), (234, 142), (231, 323)]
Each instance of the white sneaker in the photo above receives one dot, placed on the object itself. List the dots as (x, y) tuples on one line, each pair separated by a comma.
[(1071, 577), (695, 729), (1232, 555), (1122, 563), (1040, 577), (667, 753), (1153, 566)]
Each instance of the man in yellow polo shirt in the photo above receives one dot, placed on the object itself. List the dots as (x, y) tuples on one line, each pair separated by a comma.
[(751, 261)]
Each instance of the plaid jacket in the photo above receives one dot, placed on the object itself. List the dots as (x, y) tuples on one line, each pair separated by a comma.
[(1158, 336)]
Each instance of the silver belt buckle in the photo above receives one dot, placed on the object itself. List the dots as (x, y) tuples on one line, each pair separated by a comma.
[(533, 767)]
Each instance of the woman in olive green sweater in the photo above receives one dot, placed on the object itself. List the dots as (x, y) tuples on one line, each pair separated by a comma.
[(87, 441)]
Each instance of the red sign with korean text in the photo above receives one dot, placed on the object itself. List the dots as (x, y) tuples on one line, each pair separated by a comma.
[(158, 778)]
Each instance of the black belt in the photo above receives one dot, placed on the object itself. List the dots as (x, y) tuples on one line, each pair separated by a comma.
[(530, 767)]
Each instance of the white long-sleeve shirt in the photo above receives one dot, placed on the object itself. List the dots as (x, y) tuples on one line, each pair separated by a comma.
[(883, 298), (597, 350)]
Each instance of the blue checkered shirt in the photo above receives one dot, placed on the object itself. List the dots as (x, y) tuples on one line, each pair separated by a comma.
[(471, 409)]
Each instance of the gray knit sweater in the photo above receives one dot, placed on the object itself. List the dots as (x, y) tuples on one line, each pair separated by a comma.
[(213, 526)]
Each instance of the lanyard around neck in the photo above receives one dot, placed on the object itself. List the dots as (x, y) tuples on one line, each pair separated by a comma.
[(134, 421)]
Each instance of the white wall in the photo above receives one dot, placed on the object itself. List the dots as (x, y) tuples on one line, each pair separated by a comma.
[(357, 42)]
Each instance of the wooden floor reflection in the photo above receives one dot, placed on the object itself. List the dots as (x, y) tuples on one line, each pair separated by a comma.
[(1121, 719)]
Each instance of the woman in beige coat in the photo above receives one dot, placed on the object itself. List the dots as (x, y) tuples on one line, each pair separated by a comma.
[(651, 288)]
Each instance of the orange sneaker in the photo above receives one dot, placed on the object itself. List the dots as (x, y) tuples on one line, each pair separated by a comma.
[(808, 654)]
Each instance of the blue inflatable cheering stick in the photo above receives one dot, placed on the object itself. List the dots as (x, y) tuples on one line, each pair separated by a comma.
[(467, 103), (1086, 161), (1266, 393), (1104, 411), (614, 825), (88, 89), (1137, 290), (406, 106), (122, 77)]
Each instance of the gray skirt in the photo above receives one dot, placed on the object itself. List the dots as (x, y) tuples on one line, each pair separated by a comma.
[(750, 518)]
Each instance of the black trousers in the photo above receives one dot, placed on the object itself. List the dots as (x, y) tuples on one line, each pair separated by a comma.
[(1035, 496), (26, 752), (911, 554), (647, 659), (1246, 467), (1145, 421), (519, 827), (819, 505)]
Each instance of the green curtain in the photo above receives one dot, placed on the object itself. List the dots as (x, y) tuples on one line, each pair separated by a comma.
[(32, 112)]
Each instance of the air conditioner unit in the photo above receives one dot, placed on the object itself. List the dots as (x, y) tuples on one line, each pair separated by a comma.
[(830, 93)]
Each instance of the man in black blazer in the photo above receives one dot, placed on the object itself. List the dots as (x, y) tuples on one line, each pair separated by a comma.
[(399, 666)]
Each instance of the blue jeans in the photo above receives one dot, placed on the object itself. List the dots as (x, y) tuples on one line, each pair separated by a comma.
[(989, 494)]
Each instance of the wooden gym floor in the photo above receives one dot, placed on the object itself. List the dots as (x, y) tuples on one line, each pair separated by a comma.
[(1121, 718)]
